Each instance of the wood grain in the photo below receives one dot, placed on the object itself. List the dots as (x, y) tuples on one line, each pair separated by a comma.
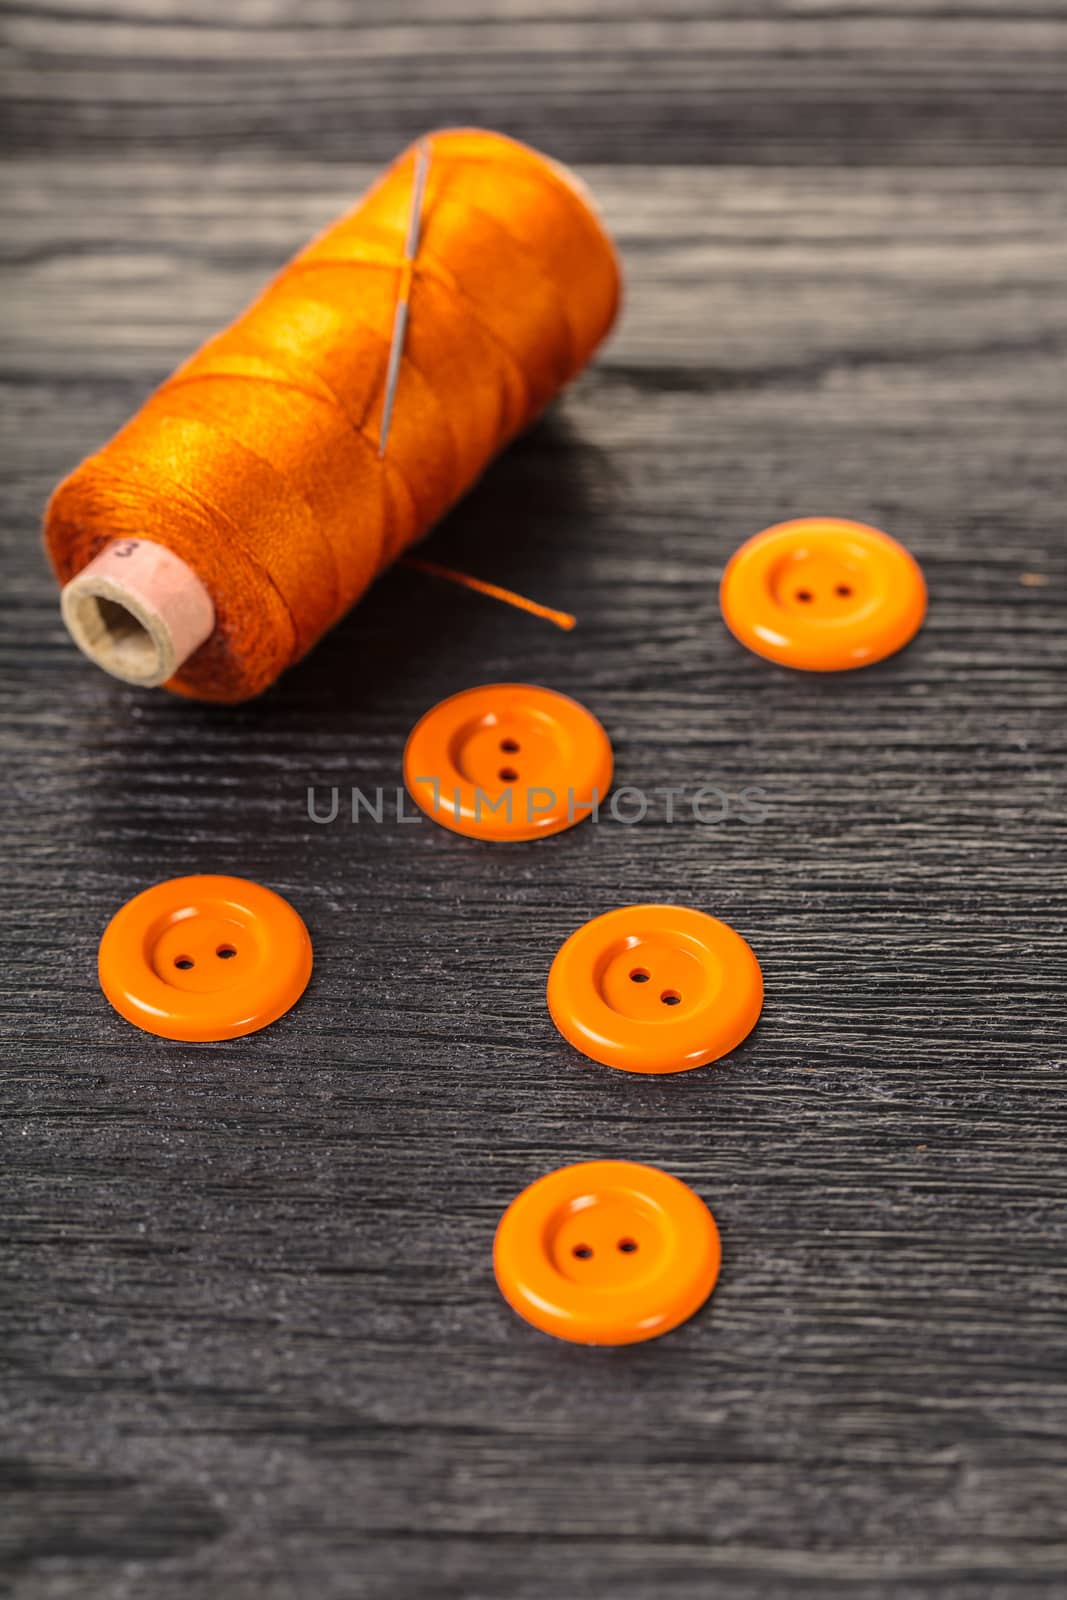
[(836, 82), (252, 1340)]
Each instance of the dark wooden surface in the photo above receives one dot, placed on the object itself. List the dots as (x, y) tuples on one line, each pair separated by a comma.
[(253, 1347)]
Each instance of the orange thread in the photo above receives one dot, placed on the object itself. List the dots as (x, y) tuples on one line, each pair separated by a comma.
[(257, 461), (562, 619)]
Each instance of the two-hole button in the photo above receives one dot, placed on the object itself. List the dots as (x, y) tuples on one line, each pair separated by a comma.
[(606, 1252), (653, 988), (204, 958), (508, 761), (823, 594)]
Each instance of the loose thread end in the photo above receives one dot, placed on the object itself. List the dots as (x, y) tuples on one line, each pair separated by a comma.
[(560, 619)]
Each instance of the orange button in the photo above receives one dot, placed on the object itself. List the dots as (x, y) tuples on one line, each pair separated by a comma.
[(606, 1252), (204, 958), (823, 595), (507, 761), (655, 989)]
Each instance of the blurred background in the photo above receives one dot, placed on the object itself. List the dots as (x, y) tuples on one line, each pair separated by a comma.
[(796, 82)]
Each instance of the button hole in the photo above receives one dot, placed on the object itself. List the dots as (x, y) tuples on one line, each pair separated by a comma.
[(509, 746), (508, 774), (805, 595), (225, 952), (639, 975), (582, 1251), (184, 962), (843, 589), (671, 997), (627, 1246)]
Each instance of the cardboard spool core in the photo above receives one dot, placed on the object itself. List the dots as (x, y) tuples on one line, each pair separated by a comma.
[(138, 611)]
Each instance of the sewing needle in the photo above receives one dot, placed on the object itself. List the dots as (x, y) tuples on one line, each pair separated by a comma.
[(400, 316)]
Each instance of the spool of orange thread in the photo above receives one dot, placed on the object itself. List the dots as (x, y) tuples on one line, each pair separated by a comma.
[(247, 506)]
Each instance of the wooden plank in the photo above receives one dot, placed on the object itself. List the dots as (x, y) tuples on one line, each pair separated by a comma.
[(254, 1343), (827, 82)]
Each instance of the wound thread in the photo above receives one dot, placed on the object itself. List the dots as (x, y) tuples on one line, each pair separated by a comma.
[(257, 463)]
